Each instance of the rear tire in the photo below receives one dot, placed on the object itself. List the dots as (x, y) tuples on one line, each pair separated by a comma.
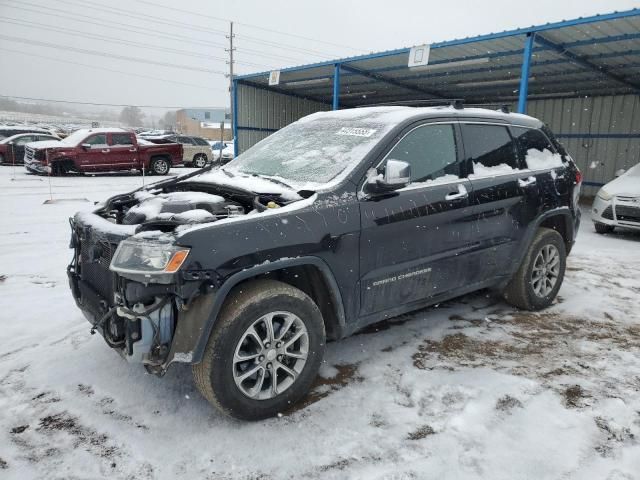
[(603, 227), (245, 314), (200, 160), (540, 276), (159, 166)]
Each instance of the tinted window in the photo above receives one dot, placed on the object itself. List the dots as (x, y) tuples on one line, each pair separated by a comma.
[(430, 150), (121, 139), (200, 141), (46, 137), (23, 140), (97, 139), (489, 145), (528, 139), (185, 140)]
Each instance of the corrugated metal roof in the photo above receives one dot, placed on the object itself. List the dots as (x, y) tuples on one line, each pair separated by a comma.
[(586, 56)]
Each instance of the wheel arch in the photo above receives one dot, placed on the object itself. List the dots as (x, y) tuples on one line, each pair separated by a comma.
[(309, 274)]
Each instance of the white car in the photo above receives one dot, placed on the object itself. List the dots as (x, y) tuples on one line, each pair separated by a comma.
[(618, 203), (227, 151)]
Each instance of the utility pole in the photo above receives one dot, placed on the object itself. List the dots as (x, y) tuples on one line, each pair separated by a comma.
[(230, 62)]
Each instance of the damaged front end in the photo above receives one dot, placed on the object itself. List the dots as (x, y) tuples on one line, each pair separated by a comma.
[(134, 282)]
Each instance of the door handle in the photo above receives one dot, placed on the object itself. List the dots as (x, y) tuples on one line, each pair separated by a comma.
[(527, 182), (132, 149), (105, 150), (462, 193)]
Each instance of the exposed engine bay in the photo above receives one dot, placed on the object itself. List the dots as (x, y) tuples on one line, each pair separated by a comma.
[(124, 275)]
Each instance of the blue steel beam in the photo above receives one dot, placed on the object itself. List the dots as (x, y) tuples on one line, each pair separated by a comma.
[(492, 36), (234, 117), (524, 73), (336, 86), (584, 62)]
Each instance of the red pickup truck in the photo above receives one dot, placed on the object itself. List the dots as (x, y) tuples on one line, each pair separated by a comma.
[(100, 150)]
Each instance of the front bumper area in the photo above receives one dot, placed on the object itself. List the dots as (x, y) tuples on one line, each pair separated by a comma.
[(619, 211)]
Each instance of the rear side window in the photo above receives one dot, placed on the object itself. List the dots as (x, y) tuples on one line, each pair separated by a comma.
[(489, 146), (185, 140), (535, 149), (200, 141), (430, 150), (121, 139)]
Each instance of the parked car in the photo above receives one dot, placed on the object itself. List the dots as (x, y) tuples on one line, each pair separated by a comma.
[(337, 221), (99, 150), (227, 154), (12, 148), (11, 130), (196, 150), (617, 204)]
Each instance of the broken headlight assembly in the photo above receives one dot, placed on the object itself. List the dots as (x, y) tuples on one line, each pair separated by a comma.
[(153, 260)]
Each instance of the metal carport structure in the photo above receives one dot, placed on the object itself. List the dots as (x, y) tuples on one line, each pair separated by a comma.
[(580, 76)]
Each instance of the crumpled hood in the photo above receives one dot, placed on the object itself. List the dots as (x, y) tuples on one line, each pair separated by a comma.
[(47, 144), (627, 184)]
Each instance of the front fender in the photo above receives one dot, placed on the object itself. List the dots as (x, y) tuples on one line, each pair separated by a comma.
[(195, 325)]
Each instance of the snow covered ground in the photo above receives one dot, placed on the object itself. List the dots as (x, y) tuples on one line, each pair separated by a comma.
[(468, 389)]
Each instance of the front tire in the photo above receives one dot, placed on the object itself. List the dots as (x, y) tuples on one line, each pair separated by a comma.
[(603, 227), (159, 166), (200, 161), (264, 351), (540, 276)]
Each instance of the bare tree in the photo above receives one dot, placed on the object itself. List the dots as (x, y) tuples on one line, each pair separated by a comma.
[(131, 116)]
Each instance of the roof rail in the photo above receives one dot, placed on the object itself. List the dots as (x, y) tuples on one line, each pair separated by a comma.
[(503, 107), (456, 103)]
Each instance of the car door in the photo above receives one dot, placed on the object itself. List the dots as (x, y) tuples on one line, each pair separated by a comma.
[(123, 151), (413, 241), (189, 149), (499, 198), (18, 147), (93, 153)]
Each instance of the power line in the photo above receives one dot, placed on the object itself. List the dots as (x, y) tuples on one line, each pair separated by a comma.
[(136, 29), (112, 70), (190, 12), (68, 31), (71, 102), (108, 55)]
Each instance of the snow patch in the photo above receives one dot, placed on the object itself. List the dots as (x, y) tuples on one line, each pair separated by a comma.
[(542, 160)]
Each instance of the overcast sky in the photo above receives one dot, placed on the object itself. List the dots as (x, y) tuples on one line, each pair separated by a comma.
[(186, 44)]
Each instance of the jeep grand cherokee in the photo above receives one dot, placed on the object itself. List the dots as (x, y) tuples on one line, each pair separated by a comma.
[(336, 221)]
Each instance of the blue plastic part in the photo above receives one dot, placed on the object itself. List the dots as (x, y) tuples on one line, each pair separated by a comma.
[(234, 120)]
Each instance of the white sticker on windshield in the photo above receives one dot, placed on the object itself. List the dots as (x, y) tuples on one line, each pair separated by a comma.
[(356, 132)]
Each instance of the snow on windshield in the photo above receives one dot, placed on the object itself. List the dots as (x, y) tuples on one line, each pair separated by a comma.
[(320, 147)]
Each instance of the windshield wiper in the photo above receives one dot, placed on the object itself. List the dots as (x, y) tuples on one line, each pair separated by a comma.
[(273, 180), (227, 173)]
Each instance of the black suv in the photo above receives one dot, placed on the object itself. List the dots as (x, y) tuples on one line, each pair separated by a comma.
[(335, 222)]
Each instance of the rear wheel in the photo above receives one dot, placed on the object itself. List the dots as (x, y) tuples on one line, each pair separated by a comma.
[(264, 351), (538, 280), (159, 166), (200, 160), (603, 227)]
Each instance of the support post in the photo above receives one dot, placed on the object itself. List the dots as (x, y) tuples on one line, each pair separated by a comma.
[(336, 86), (524, 74), (234, 116)]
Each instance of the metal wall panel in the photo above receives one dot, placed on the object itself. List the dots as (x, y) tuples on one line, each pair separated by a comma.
[(601, 133), (261, 112)]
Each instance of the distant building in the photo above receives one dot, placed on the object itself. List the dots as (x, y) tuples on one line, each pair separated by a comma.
[(204, 122)]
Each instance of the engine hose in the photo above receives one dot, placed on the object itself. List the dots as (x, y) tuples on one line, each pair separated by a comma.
[(258, 206)]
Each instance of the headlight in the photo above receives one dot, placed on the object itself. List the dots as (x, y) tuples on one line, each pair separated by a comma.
[(148, 258), (604, 195)]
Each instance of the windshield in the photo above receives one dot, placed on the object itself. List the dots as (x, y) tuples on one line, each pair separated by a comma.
[(75, 138), (317, 148)]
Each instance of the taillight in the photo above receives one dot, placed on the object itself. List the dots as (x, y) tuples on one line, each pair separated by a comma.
[(578, 176)]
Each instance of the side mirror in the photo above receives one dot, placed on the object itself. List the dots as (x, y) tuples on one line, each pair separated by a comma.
[(397, 175), (86, 146)]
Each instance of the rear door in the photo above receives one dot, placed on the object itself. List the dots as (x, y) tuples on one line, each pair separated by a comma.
[(123, 151), (413, 241), (503, 198), (96, 156), (189, 148)]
